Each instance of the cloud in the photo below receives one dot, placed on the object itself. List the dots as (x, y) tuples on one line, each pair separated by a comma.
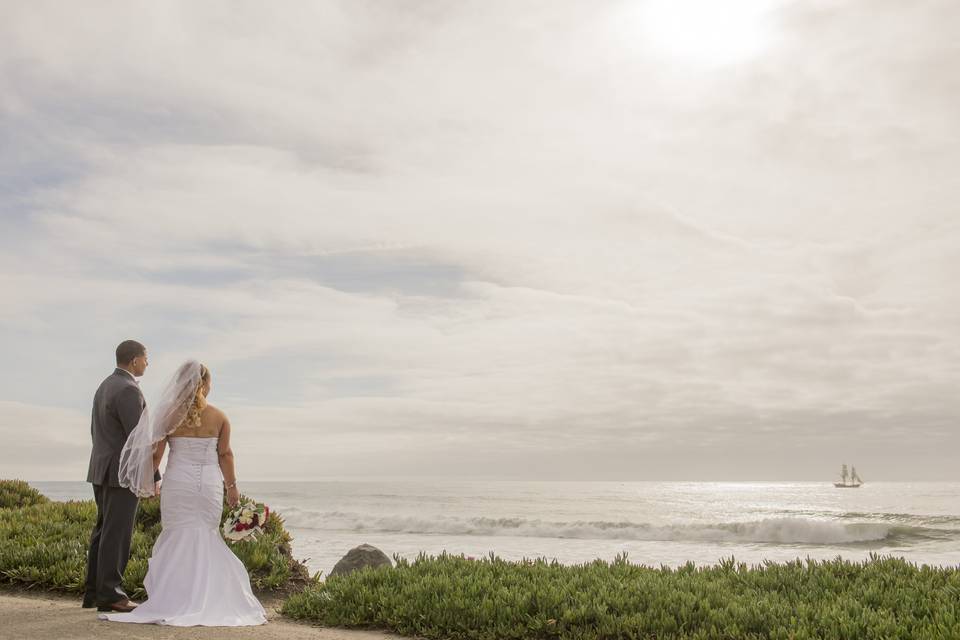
[(44, 442), (467, 237)]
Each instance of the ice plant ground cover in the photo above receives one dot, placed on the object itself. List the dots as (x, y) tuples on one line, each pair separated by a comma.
[(17, 493), (457, 598), (44, 545)]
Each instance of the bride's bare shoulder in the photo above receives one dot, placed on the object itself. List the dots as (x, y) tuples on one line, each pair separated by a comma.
[(214, 411), (214, 414), (214, 418)]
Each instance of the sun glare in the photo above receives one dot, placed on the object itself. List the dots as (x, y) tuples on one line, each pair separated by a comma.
[(706, 32)]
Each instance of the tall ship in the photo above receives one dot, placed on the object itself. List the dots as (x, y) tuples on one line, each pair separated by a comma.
[(850, 480)]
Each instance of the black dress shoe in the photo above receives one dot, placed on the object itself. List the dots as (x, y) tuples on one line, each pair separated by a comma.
[(120, 606), (88, 603)]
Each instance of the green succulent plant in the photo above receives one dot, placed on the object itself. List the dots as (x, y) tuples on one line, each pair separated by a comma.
[(17, 493), (459, 598), (43, 545)]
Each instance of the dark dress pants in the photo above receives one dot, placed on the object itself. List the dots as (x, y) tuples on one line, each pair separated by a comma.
[(110, 544)]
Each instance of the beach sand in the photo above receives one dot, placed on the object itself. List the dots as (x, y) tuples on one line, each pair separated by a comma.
[(25, 615)]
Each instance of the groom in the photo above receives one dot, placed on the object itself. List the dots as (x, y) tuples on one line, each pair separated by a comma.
[(117, 406)]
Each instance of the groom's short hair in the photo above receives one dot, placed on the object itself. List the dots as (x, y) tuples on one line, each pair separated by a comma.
[(128, 350)]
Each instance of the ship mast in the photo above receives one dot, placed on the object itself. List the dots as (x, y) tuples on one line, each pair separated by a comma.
[(844, 474)]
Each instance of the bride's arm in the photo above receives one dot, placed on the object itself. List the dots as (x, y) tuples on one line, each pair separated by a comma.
[(227, 465), (158, 450)]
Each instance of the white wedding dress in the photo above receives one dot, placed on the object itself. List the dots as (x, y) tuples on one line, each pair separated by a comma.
[(193, 578)]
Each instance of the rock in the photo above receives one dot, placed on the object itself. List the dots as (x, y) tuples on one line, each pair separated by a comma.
[(359, 557)]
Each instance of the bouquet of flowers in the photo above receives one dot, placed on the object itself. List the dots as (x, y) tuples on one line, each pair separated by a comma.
[(245, 521)]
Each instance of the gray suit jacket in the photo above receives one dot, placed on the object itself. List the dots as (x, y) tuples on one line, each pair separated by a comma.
[(117, 406)]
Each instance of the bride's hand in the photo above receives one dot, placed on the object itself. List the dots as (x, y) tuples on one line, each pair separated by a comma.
[(233, 496)]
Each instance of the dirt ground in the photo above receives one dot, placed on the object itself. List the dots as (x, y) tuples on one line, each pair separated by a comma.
[(25, 615)]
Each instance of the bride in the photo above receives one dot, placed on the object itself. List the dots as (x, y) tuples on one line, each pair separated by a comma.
[(193, 578)]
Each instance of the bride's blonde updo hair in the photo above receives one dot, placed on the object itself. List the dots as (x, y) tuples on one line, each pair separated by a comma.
[(192, 419)]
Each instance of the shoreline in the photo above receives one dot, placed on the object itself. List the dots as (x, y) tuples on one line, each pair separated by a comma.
[(851, 525)]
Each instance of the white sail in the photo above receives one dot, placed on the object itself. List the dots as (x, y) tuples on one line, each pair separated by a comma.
[(851, 475)]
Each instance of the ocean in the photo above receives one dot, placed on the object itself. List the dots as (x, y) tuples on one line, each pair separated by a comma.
[(655, 523)]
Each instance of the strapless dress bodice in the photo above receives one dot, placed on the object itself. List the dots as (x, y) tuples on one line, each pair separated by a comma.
[(193, 451)]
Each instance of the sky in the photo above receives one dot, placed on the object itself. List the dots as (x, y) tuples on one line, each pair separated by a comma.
[(583, 240)]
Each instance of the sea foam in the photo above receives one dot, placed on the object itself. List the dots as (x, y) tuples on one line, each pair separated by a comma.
[(771, 530)]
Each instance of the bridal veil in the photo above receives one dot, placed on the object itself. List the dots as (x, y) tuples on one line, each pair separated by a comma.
[(136, 458)]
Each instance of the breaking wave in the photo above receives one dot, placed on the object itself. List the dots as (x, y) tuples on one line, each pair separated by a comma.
[(772, 530)]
